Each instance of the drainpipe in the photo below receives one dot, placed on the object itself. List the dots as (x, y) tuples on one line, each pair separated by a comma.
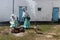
[(13, 6)]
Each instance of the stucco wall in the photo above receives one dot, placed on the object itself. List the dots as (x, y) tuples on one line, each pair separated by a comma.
[(5, 10), (57, 4), (46, 11), (44, 15)]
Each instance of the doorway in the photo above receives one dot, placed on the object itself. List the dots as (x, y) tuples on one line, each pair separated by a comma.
[(55, 14), (21, 19)]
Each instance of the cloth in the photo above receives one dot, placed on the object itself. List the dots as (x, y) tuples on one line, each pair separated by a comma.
[(13, 21), (27, 23), (25, 14), (15, 18), (12, 24)]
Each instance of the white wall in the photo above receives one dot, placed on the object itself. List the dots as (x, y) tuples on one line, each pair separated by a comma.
[(57, 4), (46, 11), (18, 3), (44, 15), (23, 3), (5, 10)]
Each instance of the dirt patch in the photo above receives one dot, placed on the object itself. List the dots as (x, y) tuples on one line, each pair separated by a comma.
[(21, 34)]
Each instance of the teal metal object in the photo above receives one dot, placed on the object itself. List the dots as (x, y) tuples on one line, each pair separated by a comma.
[(55, 14), (27, 22)]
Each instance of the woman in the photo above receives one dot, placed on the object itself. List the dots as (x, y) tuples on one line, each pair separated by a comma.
[(26, 18)]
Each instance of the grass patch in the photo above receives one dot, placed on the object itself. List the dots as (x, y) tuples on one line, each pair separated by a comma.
[(29, 36), (45, 28), (3, 27)]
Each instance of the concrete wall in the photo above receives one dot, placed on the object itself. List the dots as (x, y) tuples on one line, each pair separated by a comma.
[(46, 11), (44, 15), (5, 10), (57, 4)]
